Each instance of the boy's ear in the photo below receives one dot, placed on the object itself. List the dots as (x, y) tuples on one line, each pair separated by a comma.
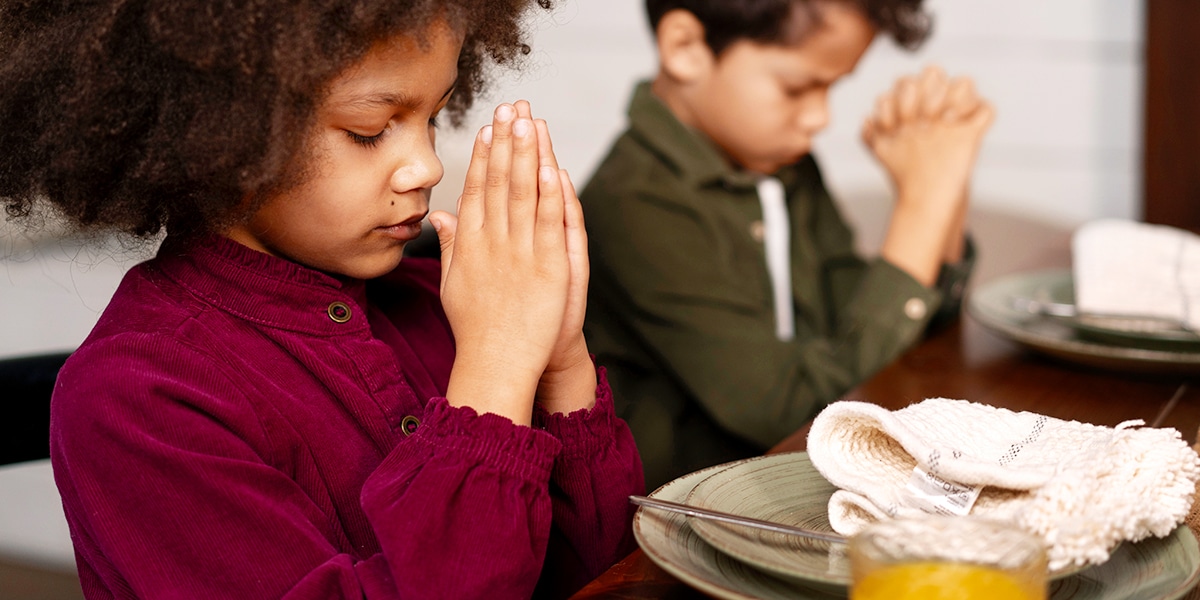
[(683, 53)]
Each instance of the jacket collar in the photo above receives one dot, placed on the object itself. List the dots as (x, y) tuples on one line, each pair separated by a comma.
[(266, 289)]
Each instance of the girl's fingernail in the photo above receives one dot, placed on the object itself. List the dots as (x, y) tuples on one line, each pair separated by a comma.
[(437, 224), (546, 173), (486, 135), (504, 113), (522, 127)]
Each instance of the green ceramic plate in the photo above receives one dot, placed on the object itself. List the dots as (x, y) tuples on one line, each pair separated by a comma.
[(787, 489), (782, 488), (1150, 570), (1081, 342), (1150, 333), (667, 539)]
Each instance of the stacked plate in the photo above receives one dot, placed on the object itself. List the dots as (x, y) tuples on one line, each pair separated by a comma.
[(727, 561), (1036, 309)]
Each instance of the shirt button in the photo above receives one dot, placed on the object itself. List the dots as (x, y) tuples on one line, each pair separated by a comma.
[(339, 312), (915, 309), (409, 425), (758, 231)]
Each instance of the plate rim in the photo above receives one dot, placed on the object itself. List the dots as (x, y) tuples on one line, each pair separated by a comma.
[(683, 573), (1073, 350), (705, 529), (1063, 280), (691, 576), (708, 531)]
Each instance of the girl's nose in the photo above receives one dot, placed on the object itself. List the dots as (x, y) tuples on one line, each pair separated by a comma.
[(419, 168)]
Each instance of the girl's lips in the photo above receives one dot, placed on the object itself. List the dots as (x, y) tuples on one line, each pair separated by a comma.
[(405, 232)]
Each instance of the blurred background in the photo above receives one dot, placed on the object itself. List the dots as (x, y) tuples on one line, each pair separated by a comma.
[(1065, 77)]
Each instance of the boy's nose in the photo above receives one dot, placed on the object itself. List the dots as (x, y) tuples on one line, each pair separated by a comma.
[(814, 115)]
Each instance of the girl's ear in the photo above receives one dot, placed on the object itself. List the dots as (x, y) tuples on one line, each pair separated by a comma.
[(683, 54)]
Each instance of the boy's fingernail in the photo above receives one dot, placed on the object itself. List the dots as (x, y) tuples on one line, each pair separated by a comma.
[(486, 135), (546, 173), (504, 113), (522, 127)]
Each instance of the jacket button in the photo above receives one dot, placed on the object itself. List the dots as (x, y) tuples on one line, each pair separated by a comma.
[(915, 309), (758, 231), (409, 425), (339, 312)]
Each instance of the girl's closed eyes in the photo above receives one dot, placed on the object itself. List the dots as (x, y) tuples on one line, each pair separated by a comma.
[(369, 141), (372, 141)]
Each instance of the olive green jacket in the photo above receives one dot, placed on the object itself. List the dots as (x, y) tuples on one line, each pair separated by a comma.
[(680, 309)]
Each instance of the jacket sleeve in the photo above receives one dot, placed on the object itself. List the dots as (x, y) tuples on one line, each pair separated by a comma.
[(668, 282), (593, 477), (169, 493), (952, 285)]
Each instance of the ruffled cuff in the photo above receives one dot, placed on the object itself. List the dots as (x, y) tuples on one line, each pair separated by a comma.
[(584, 431), (487, 438)]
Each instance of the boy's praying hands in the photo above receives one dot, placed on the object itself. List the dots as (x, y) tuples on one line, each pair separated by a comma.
[(926, 132)]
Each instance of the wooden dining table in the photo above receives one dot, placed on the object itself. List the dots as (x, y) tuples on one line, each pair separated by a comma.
[(967, 361)]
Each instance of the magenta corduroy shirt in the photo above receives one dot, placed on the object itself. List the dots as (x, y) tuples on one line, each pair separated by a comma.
[(240, 426)]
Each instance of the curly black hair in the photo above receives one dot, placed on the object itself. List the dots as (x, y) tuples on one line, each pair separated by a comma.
[(139, 115), (769, 21)]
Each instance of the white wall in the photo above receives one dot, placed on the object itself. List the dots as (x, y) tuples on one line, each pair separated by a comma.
[(1065, 76), (586, 56), (1066, 79), (52, 291)]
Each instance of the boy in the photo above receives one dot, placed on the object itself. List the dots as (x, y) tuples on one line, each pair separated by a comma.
[(727, 301)]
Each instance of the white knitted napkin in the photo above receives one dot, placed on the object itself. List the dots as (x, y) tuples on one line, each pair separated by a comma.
[(1125, 267), (1083, 488)]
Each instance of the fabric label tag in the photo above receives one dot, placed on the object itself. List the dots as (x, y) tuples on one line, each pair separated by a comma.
[(932, 494)]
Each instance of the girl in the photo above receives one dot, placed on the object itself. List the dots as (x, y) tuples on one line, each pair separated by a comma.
[(276, 405)]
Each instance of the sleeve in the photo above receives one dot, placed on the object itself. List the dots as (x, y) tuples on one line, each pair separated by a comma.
[(952, 286), (836, 240), (666, 277), (593, 477), (463, 511)]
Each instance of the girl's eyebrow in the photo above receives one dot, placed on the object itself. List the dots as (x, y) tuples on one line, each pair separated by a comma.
[(385, 99)]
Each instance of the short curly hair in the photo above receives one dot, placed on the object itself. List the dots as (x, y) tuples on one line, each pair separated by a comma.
[(767, 21), (140, 115)]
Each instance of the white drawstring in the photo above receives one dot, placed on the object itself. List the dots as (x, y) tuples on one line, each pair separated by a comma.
[(776, 241)]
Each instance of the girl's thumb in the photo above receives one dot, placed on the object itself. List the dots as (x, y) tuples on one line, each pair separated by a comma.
[(445, 224)]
